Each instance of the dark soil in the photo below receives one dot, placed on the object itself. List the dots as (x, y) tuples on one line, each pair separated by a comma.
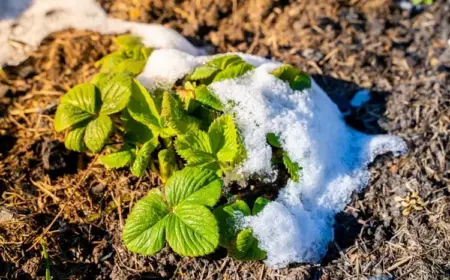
[(63, 201)]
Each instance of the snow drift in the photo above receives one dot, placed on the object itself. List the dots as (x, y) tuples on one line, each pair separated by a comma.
[(25, 23), (298, 226)]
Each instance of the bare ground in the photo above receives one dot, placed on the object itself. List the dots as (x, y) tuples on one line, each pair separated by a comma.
[(76, 209)]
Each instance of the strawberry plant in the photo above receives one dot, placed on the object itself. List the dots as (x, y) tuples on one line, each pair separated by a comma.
[(240, 242), (183, 133)]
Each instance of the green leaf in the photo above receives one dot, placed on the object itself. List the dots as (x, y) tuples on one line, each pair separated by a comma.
[(297, 79), (286, 72), (227, 217), (189, 227), (273, 140), (175, 116), (195, 186), (224, 61), (167, 164), (97, 133), (143, 157), (195, 148), (206, 97), (68, 115), (116, 93), (142, 107), (216, 149), (128, 42), (74, 138), (203, 72), (234, 71), (192, 230), (84, 97), (135, 132), (146, 225), (110, 61), (146, 52), (246, 247), (118, 159), (292, 167), (241, 153), (223, 138), (259, 205), (301, 82), (133, 66), (77, 105), (99, 78)]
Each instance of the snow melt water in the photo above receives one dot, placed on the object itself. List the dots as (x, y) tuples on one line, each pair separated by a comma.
[(298, 225)]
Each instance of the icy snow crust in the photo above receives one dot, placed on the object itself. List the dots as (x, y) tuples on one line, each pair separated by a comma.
[(28, 22), (298, 225)]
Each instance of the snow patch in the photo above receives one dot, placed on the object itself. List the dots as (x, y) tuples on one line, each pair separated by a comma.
[(39, 18), (162, 72), (298, 225)]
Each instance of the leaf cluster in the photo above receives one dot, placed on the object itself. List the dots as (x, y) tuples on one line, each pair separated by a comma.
[(184, 135), (130, 57)]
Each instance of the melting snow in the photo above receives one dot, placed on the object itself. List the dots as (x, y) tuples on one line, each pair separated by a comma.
[(27, 23), (298, 225)]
